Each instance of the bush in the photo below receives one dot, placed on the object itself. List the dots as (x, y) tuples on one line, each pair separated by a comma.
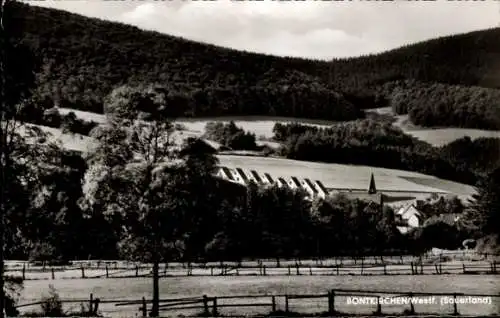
[(230, 135), (52, 304)]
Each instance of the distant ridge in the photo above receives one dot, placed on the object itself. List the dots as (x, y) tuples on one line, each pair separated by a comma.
[(85, 58)]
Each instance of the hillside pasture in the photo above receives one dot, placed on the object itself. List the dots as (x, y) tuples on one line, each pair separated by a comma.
[(69, 141), (346, 176), (179, 287), (435, 136)]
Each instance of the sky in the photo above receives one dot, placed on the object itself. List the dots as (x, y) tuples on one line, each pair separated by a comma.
[(312, 29)]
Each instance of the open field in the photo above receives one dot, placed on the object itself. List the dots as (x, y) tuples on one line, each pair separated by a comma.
[(346, 176), (453, 267), (262, 126), (136, 288), (435, 136), (75, 142), (259, 125), (332, 175)]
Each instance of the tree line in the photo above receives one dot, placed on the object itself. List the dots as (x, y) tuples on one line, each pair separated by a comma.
[(82, 60), (433, 104), (374, 143)]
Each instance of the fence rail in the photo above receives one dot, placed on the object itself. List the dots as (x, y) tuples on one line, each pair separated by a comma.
[(233, 269), (332, 302)]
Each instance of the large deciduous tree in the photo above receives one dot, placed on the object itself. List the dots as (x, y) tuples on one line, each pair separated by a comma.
[(20, 159), (140, 181)]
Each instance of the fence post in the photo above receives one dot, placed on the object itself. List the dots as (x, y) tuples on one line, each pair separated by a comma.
[(463, 266), (211, 271), (83, 272), (337, 270), (91, 303), (412, 271), (331, 308), (96, 306), (24, 271), (455, 308), (412, 308), (440, 268), (136, 270), (52, 272), (289, 270), (379, 306), (385, 269), (421, 268), (264, 269), (107, 271), (214, 309), (144, 307), (165, 269), (297, 267), (286, 303), (273, 303), (310, 270), (205, 305)]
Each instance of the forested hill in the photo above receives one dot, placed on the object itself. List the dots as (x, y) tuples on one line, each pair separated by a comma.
[(85, 58)]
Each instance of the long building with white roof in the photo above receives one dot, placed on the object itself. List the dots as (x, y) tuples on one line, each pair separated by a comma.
[(244, 177)]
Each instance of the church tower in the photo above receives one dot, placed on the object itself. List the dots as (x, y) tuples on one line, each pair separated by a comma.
[(373, 188)]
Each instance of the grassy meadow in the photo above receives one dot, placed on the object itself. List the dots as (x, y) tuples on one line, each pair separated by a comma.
[(435, 136), (179, 287), (346, 176)]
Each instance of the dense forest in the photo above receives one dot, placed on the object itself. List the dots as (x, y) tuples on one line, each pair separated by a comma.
[(434, 104), (368, 142), (83, 59)]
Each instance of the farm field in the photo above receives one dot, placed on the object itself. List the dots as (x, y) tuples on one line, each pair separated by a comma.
[(75, 142), (435, 136), (176, 287), (261, 126), (346, 176), (332, 175)]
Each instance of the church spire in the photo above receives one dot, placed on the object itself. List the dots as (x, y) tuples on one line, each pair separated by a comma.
[(373, 188)]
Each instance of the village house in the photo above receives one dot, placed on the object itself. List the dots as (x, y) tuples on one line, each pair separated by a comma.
[(407, 218)]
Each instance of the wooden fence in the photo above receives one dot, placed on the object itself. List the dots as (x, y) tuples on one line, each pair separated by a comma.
[(332, 302), (232, 269)]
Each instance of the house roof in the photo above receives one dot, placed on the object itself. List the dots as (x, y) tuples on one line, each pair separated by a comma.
[(282, 181), (268, 176), (409, 209), (296, 181), (228, 173), (321, 186), (256, 176), (311, 185), (242, 174)]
